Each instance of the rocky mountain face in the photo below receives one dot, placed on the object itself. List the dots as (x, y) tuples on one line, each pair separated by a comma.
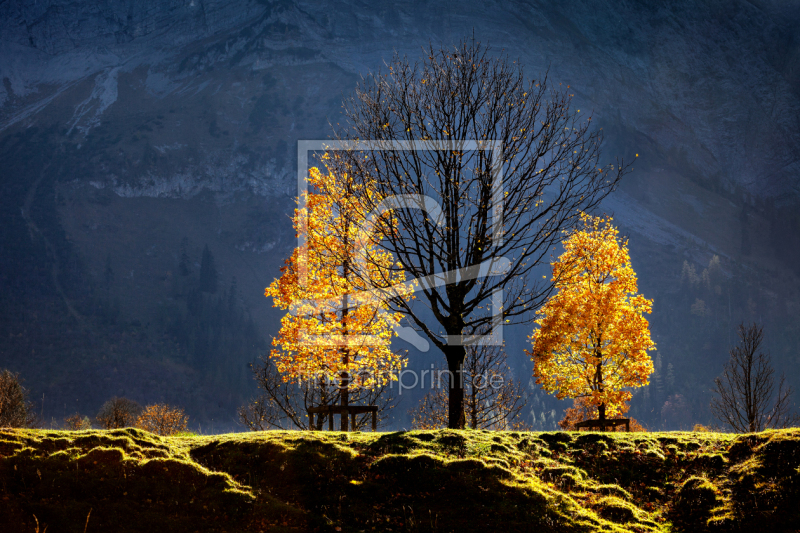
[(133, 135)]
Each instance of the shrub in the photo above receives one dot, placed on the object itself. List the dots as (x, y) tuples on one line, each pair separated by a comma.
[(15, 409), (162, 419), (118, 413), (77, 422)]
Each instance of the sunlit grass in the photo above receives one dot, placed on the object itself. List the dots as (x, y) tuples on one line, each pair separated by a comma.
[(444, 480)]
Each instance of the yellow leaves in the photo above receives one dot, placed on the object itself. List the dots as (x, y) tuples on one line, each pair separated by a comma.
[(335, 325), (592, 338)]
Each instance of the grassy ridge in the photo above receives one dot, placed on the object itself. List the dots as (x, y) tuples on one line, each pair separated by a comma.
[(130, 480)]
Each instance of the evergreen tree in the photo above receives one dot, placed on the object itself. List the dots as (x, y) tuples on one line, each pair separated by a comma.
[(108, 273), (208, 272), (184, 264)]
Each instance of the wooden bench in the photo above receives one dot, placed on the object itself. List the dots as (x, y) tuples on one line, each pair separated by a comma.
[(603, 424), (352, 410)]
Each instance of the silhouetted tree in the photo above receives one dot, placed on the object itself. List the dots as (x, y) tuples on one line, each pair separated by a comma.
[(745, 395), (108, 273), (118, 413), (410, 125), (184, 268)]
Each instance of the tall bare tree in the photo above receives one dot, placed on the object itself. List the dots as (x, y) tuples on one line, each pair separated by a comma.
[(493, 399), (471, 217), (745, 394), (282, 404)]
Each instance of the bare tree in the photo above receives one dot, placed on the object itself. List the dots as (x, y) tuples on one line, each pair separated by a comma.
[(486, 233), (15, 409), (745, 395), (283, 404), (493, 399), (118, 413)]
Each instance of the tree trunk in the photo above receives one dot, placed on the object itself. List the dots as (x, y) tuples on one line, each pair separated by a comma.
[(602, 414), (345, 375), (473, 406), (345, 401), (455, 408)]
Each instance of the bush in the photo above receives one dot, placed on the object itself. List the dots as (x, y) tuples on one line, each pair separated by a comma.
[(118, 413), (15, 409), (162, 419), (77, 422)]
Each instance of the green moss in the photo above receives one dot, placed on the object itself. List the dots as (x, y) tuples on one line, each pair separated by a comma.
[(412, 481)]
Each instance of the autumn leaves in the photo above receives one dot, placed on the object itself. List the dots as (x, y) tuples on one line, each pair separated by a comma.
[(592, 340), (337, 329)]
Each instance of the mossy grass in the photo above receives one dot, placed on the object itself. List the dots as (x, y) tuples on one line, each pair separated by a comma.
[(130, 480)]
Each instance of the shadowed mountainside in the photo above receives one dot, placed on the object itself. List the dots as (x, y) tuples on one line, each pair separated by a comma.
[(133, 135)]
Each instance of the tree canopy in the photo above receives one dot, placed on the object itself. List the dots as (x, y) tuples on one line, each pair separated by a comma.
[(592, 338), (335, 329), (484, 168)]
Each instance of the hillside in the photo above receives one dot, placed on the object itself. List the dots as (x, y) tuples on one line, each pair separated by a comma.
[(129, 480)]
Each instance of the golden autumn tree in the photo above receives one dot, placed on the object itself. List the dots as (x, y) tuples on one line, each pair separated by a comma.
[(336, 329), (592, 340)]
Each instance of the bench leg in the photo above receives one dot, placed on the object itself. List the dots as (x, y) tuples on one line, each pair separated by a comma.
[(330, 420), (311, 421), (352, 421), (374, 421)]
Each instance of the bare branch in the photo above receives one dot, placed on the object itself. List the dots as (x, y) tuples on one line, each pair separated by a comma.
[(745, 397)]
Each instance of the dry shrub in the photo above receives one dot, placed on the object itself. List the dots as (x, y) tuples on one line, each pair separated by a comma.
[(582, 410), (15, 409), (118, 413), (162, 419), (493, 400), (77, 422)]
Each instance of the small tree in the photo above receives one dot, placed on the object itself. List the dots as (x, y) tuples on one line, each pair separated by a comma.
[(492, 398), (162, 419), (15, 409), (593, 338), (745, 395), (283, 404), (208, 272), (118, 413), (76, 422), (335, 331)]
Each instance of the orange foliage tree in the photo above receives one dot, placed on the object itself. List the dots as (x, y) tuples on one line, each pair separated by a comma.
[(593, 338), (162, 419), (338, 328)]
